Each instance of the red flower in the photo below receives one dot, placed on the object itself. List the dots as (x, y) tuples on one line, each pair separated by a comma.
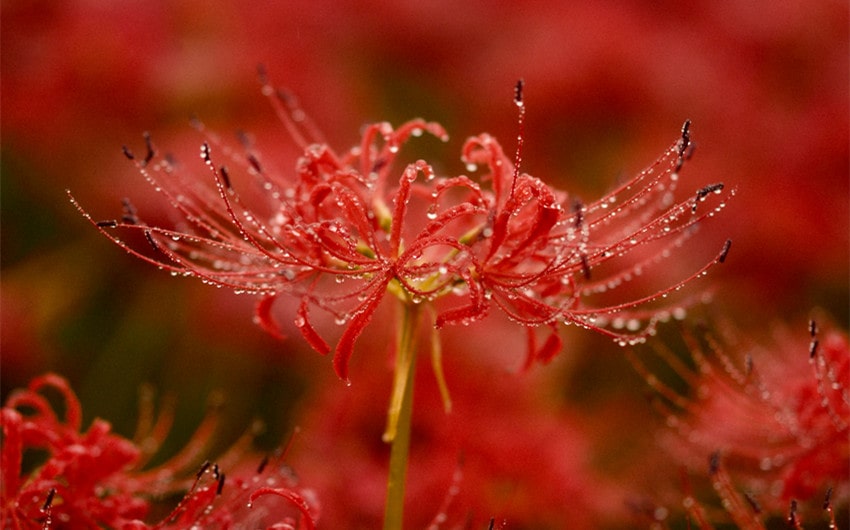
[(345, 229), (94, 479), (781, 426)]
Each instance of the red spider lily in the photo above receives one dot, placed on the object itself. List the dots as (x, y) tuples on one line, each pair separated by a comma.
[(345, 229), (781, 426), (94, 479), (745, 512)]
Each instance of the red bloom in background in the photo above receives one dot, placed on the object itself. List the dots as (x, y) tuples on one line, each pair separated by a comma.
[(346, 229), (777, 417), (94, 479)]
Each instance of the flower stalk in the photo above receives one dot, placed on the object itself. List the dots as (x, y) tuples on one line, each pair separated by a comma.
[(400, 414)]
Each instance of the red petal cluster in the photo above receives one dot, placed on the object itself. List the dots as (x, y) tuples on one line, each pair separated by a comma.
[(782, 425), (94, 479), (343, 230)]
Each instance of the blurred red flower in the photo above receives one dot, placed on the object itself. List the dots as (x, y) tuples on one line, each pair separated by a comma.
[(95, 479), (776, 416)]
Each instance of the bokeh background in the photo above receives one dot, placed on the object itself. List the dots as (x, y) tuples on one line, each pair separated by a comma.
[(608, 85)]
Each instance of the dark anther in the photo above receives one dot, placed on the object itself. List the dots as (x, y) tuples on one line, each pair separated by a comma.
[(813, 348), (225, 177), (492, 523), (129, 212), (151, 240), (112, 223), (827, 501), (704, 192), (254, 163), (286, 97), (585, 266), (49, 501), (216, 473), (792, 514), (127, 152), (379, 164), (244, 138), (206, 465), (725, 251), (685, 141), (813, 328), (518, 91), (748, 363), (220, 486), (714, 463), (685, 147), (752, 502), (711, 188), (263, 463), (150, 154), (578, 208)]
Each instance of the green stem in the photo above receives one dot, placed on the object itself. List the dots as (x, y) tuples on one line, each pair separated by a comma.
[(399, 417)]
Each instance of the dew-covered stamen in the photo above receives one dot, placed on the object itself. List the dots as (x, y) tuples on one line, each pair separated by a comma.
[(754, 505), (793, 519), (585, 266), (48, 501), (657, 295), (742, 511), (662, 389), (725, 251), (827, 507), (225, 177), (704, 192), (520, 139), (813, 345), (203, 469), (231, 199), (620, 277), (451, 494), (197, 210), (151, 241), (833, 392), (684, 146), (254, 162), (287, 110)]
